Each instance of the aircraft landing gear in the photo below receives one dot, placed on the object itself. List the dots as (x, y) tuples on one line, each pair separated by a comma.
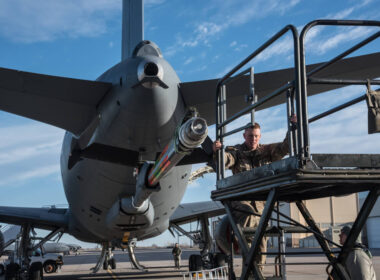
[(109, 261), (106, 259), (206, 259), (132, 256)]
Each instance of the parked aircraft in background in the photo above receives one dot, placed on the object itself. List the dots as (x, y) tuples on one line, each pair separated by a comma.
[(11, 234)]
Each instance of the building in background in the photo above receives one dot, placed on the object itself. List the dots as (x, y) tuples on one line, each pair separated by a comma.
[(331, 213), (371, 231)]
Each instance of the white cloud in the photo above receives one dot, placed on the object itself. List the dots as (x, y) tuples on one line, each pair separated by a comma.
[(224, 71), (229, 14), (316, 40), (188, 61), (31, 174), (27, 151), (233, 44), (24, 135), (323, 45), (344, 132), (33, 21), (240, 47), (153, 2), (281, 47), (341, 14)]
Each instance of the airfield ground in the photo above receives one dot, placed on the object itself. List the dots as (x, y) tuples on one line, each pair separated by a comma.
[(160, 266)]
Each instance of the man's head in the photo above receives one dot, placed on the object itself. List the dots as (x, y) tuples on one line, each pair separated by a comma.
[(252, 136), (176, 245), (344, 232)]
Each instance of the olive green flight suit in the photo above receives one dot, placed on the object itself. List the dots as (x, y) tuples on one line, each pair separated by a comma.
[(239, 158)]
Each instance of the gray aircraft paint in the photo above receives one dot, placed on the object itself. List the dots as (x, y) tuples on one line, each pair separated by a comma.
[(132, 26), (133, 118)]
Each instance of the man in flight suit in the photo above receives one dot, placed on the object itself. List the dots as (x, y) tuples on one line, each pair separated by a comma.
[(244, 157), (359, 260), (176, 252)]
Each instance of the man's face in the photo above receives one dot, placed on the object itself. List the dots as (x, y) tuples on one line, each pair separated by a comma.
[(252, 138), (342, 238)]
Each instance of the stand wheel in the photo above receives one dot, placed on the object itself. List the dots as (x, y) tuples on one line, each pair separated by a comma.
[(11, 271), (112, 263), (35, 271), (219, 260), (195, 263), (105, 265)]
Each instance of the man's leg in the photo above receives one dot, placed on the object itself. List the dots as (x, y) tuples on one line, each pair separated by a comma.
[(263, 249), (240, 212)]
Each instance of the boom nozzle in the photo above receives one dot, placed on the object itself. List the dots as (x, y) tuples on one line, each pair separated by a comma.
[(190, 135)]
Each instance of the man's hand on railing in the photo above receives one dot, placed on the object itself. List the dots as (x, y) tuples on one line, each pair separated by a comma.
[(217, 145), (293, 119)]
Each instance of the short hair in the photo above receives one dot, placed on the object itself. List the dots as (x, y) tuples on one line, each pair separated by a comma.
[(252, 126), (346, 230)]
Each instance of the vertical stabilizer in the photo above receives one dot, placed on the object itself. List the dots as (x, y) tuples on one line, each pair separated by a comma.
[(133, 26)]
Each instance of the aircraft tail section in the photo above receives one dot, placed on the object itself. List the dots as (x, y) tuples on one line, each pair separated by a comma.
[(132, 26)]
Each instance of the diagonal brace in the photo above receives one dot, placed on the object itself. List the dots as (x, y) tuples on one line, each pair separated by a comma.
[(342, 274), (254, 251), (47, 238), (237, 230), (358, 224)]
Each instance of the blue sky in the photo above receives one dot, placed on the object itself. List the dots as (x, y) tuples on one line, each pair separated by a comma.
[(201, 39)]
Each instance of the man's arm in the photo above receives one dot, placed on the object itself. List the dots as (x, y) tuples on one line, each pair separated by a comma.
[(277, 151), (229, 154)]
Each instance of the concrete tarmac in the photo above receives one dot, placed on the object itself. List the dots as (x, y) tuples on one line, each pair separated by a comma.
[(160, 265)]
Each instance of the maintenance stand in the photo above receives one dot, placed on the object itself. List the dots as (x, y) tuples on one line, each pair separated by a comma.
[(302, 175)]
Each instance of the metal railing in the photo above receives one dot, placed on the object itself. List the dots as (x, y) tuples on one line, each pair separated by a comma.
[(221, 108), (219, 273), (306, 77), (299, 142)]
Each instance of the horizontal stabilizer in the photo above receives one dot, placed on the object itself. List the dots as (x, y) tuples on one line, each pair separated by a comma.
[(189, 212), (202, 94), (44, 218), (63, 102)]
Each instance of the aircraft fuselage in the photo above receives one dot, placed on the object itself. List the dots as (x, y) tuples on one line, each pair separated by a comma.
[(136, 117)]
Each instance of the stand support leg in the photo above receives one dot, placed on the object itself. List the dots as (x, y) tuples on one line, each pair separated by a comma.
[(254, 251), (338, 267)]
